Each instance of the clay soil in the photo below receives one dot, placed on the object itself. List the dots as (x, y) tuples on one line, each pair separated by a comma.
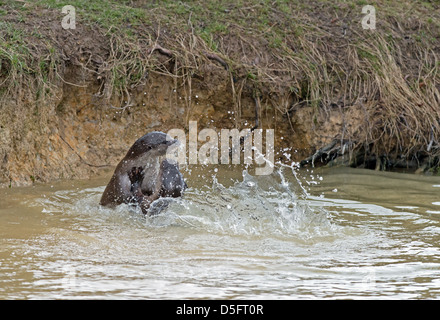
[(74, 100)]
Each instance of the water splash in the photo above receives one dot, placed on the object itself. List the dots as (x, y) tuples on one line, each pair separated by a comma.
[(257, 206), (261, 206)]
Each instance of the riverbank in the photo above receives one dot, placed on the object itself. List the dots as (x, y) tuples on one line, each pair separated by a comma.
[(74, 100)]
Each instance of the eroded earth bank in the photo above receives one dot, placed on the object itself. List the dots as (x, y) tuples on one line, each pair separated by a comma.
[(74, 99)]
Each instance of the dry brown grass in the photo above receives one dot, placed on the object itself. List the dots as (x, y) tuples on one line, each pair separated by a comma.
[(286, 54)]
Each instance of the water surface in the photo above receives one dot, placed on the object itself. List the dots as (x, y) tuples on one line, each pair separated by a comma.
[(330, 233)]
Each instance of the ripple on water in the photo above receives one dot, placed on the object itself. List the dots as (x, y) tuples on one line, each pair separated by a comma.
[(259, 237)]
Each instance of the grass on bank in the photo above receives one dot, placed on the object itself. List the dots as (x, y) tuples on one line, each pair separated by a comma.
[(290, 52)]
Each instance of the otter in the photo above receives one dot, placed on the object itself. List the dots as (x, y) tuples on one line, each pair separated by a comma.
[(144, 174)]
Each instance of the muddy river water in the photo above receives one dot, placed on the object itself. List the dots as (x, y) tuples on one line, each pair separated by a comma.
[(297, 234)]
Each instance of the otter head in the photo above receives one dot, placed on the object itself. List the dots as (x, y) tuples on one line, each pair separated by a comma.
[(153, 144)]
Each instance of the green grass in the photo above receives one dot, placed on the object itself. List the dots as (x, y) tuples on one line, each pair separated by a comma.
[(302, 42), (14, 52)]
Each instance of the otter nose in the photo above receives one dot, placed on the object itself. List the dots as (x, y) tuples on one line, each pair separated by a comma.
[(172, 142)]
